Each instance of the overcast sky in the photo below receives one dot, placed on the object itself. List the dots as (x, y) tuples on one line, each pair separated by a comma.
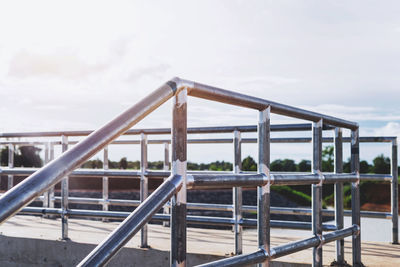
[(79, 64)]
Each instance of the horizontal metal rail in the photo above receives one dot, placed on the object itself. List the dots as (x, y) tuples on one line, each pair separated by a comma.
[(208, 220), (228, 97), (96, 173), (365, 139), (215, 179), (162, 131), (210, 207), (280, 251)]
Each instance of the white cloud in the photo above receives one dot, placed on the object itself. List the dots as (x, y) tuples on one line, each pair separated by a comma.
[(355, 113), (390, 129), (61, 64), (73, 65)]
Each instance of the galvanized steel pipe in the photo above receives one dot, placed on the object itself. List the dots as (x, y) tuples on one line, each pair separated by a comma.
[(104, 252), (53, 172)]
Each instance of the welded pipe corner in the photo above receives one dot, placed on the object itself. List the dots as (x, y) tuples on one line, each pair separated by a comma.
[(178, 84), (189, 181)]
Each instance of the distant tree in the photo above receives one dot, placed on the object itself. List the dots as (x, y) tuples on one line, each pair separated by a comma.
[(156, 165), (193, 166), (248, 164), (365, 167), (220, 166), (134, 165), (4, 156), (327, 159), (203, 166), (93, 164), (277, 165), (347, 166), (25, 156), (304, 166), (381, 164), (123, 163), (113, 164), (288, 165)]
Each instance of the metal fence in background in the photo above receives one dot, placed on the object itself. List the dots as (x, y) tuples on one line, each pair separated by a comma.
[(237, 208)]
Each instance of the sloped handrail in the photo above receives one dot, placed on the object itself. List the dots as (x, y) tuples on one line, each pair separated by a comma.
[(22, 194), (26, 191)]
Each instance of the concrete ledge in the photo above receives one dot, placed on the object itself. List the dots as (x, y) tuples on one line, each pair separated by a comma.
[(28, 252), (34, 241), (16, 251)]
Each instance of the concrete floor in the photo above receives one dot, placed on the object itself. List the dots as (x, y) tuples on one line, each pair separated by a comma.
[(209, 241)]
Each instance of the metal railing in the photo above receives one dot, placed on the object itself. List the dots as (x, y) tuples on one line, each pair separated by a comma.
[(179, 181), (236, 208)]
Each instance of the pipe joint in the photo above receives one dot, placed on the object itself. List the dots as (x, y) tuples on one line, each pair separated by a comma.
[(189, 181), (271, 178), (272, 253), (357, 174), (321, 177), (357, 229), (64, 212), (266, 254), (321, 240)]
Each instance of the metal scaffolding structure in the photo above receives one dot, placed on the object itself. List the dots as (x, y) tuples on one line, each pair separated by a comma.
[(171, 195)]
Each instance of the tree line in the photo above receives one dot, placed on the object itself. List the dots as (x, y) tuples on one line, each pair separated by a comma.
[(29, 156)]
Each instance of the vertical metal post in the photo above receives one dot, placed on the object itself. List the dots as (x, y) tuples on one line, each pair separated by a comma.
[(317, 191), (395, 195), (51, 190), (237, 193), (355, 196), (166, 209), (46, 197), (144, 184), (10, 165), (179, 165), (166, 157), (263, 192), (64, 195), (105, 181), (339, 194)]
